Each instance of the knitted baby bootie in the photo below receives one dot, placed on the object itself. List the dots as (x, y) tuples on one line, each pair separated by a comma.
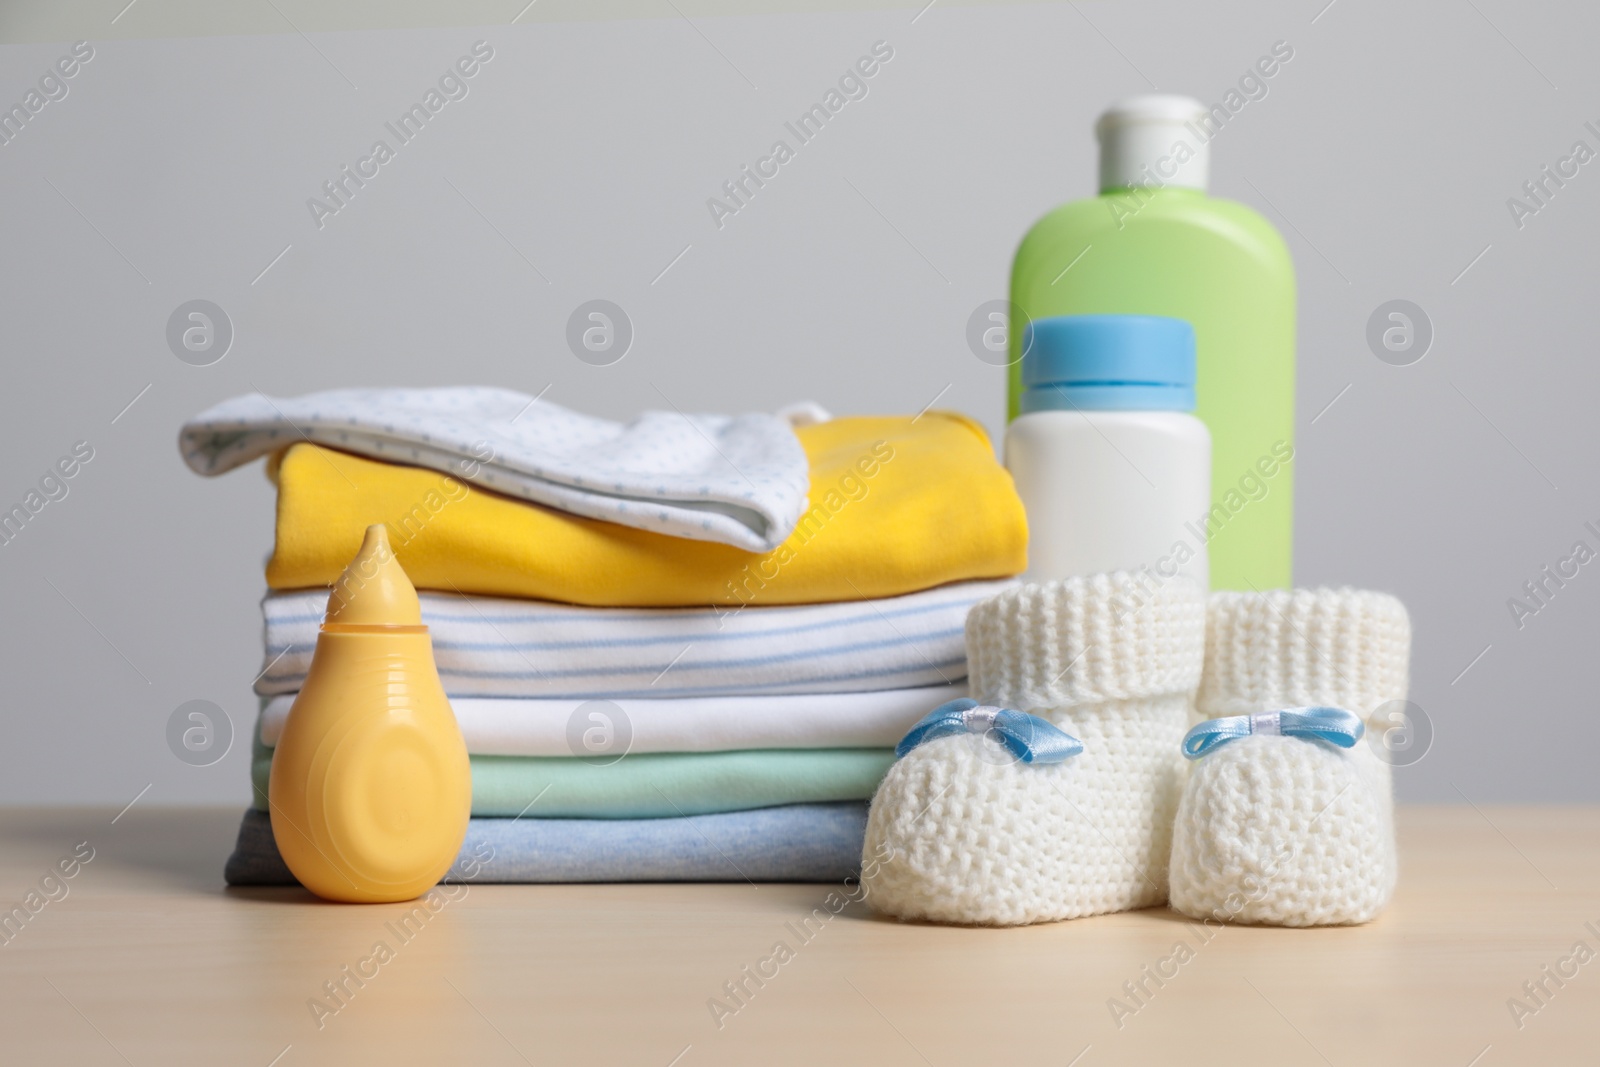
[(1291, 821), (964, 831)]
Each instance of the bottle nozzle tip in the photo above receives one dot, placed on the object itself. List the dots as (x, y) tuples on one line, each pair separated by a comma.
[(374, 589)]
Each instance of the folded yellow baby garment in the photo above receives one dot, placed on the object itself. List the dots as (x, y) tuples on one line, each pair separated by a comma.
[(896, 505)]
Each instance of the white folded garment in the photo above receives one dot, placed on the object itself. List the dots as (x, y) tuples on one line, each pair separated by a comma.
[(739, 480), (490, 646), (607, 728)]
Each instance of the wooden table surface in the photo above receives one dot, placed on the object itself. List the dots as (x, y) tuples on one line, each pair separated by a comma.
[(148, 960)]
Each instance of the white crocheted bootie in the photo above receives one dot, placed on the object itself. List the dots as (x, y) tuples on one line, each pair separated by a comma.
[(1286, 830), (960, 831)]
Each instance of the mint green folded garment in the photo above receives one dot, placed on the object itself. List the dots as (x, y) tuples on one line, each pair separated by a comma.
[(657, 784)]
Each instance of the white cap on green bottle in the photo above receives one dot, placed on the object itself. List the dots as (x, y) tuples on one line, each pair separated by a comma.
[(1155, 140)]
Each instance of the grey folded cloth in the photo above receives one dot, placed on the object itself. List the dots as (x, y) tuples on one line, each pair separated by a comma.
[(738, 480)]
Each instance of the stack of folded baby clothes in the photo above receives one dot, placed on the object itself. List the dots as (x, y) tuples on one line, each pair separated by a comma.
[(680, 648)]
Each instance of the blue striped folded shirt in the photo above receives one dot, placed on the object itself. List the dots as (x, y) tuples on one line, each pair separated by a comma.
[(494, 647)]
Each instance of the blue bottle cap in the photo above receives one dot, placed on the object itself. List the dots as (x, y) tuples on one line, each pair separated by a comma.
[(1108, 363)]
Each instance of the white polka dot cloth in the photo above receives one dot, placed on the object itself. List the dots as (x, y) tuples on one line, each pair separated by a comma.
[(739, 480)]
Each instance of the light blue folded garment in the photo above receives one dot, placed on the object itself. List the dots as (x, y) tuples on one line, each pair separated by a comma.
[(797, 843)]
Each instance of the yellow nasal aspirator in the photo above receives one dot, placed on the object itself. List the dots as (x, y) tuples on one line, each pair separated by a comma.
[(371, 787)]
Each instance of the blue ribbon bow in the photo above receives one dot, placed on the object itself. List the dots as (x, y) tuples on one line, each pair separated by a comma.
[(1027, 737), (1333, 725)]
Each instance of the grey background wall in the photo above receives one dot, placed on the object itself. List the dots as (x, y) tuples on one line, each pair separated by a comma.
[(179, 164)]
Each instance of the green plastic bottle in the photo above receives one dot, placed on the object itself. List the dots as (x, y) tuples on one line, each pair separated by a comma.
[(1153, 243)]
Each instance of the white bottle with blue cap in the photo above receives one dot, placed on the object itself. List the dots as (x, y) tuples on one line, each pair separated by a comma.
[(1111, 464)]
